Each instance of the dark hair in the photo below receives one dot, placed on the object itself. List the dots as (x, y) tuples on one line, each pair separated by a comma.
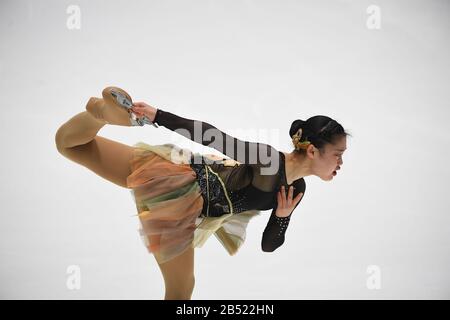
[(319, 130)]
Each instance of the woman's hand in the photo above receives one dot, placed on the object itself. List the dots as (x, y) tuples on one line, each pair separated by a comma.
[(286, 205), (142, 109)]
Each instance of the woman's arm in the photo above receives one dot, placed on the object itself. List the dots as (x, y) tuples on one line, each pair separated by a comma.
[(274, 233), (208, 135)]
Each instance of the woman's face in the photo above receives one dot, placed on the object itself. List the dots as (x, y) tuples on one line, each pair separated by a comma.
[(326, 165)]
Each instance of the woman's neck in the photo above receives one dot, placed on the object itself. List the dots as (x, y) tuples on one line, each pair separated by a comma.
[(297, 166)]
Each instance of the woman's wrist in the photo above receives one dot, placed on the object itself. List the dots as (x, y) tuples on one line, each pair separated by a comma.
[(151, 113)]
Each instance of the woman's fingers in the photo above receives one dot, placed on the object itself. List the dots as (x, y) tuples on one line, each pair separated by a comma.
[(138, 108), (286, 204), (288, 201), (138, 105), (137, 111), (290, 195), (298, 197), (283, 197)]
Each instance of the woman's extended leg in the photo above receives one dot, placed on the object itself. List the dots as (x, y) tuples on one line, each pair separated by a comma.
[(178, 276), (78, 141)]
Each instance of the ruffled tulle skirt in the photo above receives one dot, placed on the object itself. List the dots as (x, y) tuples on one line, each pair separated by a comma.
[(169, 204)]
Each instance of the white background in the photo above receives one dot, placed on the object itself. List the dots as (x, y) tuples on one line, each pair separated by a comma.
[(250, 68)]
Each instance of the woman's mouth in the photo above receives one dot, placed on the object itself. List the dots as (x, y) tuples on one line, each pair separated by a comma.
[(334, 173)]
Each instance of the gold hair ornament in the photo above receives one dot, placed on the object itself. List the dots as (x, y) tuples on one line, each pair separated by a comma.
[(296, 140)]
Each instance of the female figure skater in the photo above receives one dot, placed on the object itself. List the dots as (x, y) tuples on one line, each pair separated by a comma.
[(182, 197)]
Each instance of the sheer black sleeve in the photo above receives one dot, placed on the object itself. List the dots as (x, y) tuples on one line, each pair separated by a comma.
[(274, 233), (208, 135)]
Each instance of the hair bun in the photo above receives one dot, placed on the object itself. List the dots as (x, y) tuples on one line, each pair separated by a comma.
[(297, 124)]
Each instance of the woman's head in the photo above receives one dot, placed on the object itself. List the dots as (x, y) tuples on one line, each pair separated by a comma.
[(322, 141)]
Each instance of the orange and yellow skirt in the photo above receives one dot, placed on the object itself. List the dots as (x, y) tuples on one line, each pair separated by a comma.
[(169, 204)]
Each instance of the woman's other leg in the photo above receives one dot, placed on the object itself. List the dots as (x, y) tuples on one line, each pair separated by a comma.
[(77, 140), (178, 276)]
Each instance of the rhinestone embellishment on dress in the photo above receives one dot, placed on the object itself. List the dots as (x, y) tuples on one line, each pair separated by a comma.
[(213, 191)]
